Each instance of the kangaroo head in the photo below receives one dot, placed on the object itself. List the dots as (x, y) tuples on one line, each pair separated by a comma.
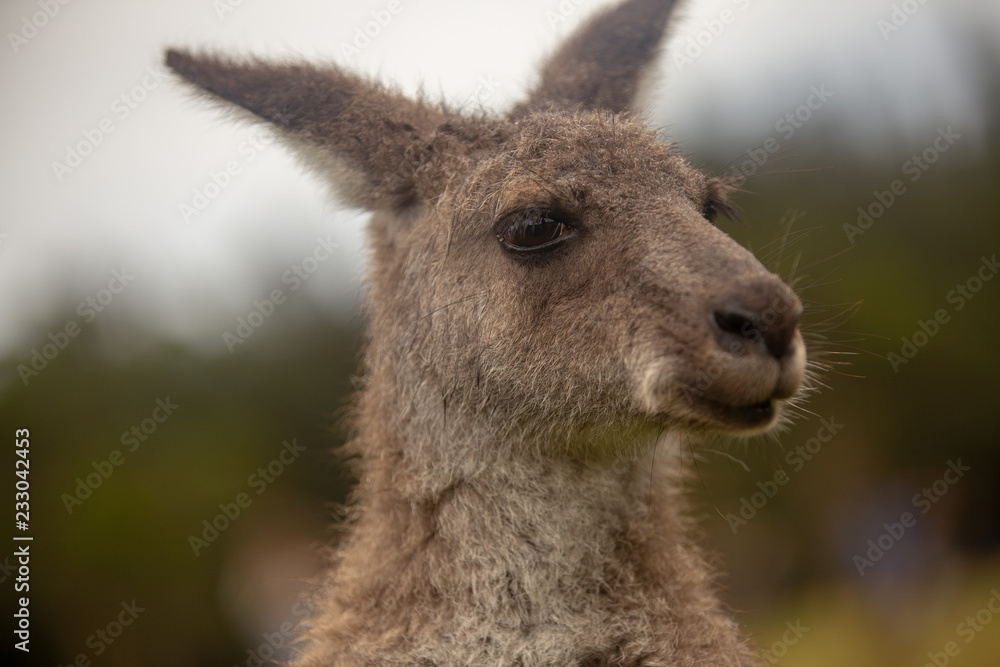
[(555, 270)]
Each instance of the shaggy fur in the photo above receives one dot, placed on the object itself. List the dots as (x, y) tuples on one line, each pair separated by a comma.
[(519, 424)]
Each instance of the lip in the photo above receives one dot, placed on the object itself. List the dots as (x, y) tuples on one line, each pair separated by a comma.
[(751, 417)]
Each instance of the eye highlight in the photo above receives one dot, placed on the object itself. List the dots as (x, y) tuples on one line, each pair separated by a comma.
[(532, 229)]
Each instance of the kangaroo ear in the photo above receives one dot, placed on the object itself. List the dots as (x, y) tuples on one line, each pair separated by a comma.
[(370, 141), (601, 64)]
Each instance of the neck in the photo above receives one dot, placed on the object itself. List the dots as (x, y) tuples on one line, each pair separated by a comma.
[(469, 549)]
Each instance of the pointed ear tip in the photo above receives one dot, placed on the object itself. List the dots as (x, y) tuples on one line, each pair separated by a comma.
[(190, 63), (179, 60)]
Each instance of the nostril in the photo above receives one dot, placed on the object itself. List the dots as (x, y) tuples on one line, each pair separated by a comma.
[(739, 326), (755, 317), (736, 323)]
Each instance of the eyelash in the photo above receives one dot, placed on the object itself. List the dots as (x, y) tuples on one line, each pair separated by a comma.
[(716, 206), (533, 229)]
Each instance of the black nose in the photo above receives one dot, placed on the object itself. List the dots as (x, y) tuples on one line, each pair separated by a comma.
[(760, 315)]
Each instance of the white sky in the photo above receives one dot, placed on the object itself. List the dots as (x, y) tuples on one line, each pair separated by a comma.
[(60, 239)]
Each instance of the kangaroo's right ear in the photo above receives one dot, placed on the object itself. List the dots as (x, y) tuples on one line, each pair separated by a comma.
[(368, 140), (601, 64)]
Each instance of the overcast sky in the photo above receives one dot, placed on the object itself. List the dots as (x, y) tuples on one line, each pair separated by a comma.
[(91, 73)]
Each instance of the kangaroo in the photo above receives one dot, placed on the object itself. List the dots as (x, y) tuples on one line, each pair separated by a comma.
[(552, 315)]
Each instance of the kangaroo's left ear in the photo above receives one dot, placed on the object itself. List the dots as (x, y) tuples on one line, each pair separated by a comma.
[(601, 64), (367, 140)]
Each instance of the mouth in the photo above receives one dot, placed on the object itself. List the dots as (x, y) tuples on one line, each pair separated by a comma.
[(749, 418), (744, 406), (752, 417), (744, 398)]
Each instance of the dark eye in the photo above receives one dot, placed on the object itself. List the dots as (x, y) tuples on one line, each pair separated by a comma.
[(532, 229)]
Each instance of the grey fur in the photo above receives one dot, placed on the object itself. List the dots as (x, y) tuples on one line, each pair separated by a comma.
[(520, 425)]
